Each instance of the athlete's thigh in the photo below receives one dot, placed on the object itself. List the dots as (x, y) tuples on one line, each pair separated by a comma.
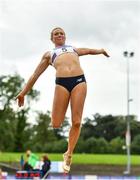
[(60, 104), (77, 100)]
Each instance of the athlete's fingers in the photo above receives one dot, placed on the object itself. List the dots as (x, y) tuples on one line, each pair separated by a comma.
[(20, 100), (106, 54)]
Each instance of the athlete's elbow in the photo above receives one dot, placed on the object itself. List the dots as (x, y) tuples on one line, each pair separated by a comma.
[(34, 77)]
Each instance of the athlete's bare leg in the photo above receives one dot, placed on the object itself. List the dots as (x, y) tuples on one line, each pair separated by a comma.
[(60, 104), (77, 100)]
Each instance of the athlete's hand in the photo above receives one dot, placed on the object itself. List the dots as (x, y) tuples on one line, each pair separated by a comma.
[(105, 53), (20, 100)]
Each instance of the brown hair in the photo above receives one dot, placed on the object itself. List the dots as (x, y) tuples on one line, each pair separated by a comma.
[(45, 157), (54, 30)]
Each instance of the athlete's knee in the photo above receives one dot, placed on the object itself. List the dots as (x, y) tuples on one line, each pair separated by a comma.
[(55, 124), (76, 124)]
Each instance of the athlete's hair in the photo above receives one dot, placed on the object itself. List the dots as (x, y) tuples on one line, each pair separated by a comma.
[(54, 30)]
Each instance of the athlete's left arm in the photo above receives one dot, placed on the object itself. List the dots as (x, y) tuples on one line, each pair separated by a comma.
[(87, 51)]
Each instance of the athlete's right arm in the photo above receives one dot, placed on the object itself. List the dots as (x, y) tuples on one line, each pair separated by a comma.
[(44, 63)]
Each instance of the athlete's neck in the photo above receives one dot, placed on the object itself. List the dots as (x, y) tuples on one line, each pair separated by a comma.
[(59, 45)]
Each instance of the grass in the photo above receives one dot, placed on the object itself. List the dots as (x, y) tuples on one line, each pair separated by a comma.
[(107, 159)]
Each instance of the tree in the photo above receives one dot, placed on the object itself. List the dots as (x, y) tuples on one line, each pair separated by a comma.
[(135, 126), (108, 127), (116, 145), (42, 131), (91, 145), (105, 126), (87, 129), (13, 124), (22, 130), (136, 145), (7, 129)]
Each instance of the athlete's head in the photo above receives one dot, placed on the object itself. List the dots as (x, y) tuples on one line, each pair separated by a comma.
[(58, 36), (28, 153)]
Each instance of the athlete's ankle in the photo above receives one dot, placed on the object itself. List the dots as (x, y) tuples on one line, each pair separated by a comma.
[(68, 152)]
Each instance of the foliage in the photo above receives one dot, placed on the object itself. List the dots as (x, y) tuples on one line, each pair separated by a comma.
[(99, 134), (136, 145), (14, 127), (7, 129), (116, 145)]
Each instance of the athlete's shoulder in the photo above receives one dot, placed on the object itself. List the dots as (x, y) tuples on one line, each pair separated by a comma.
[(47, 55)]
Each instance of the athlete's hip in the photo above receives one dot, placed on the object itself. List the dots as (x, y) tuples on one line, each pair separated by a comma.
[(70, 82)]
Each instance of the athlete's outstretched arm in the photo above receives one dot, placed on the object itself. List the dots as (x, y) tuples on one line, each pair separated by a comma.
[(87, 51), (44, 63)]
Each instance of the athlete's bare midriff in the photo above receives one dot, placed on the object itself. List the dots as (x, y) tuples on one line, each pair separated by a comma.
[(68, 65)]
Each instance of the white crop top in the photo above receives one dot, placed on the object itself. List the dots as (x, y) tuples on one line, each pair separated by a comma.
[(60, 50)]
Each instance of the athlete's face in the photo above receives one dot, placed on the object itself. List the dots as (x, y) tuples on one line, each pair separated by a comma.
[(58, 37)]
